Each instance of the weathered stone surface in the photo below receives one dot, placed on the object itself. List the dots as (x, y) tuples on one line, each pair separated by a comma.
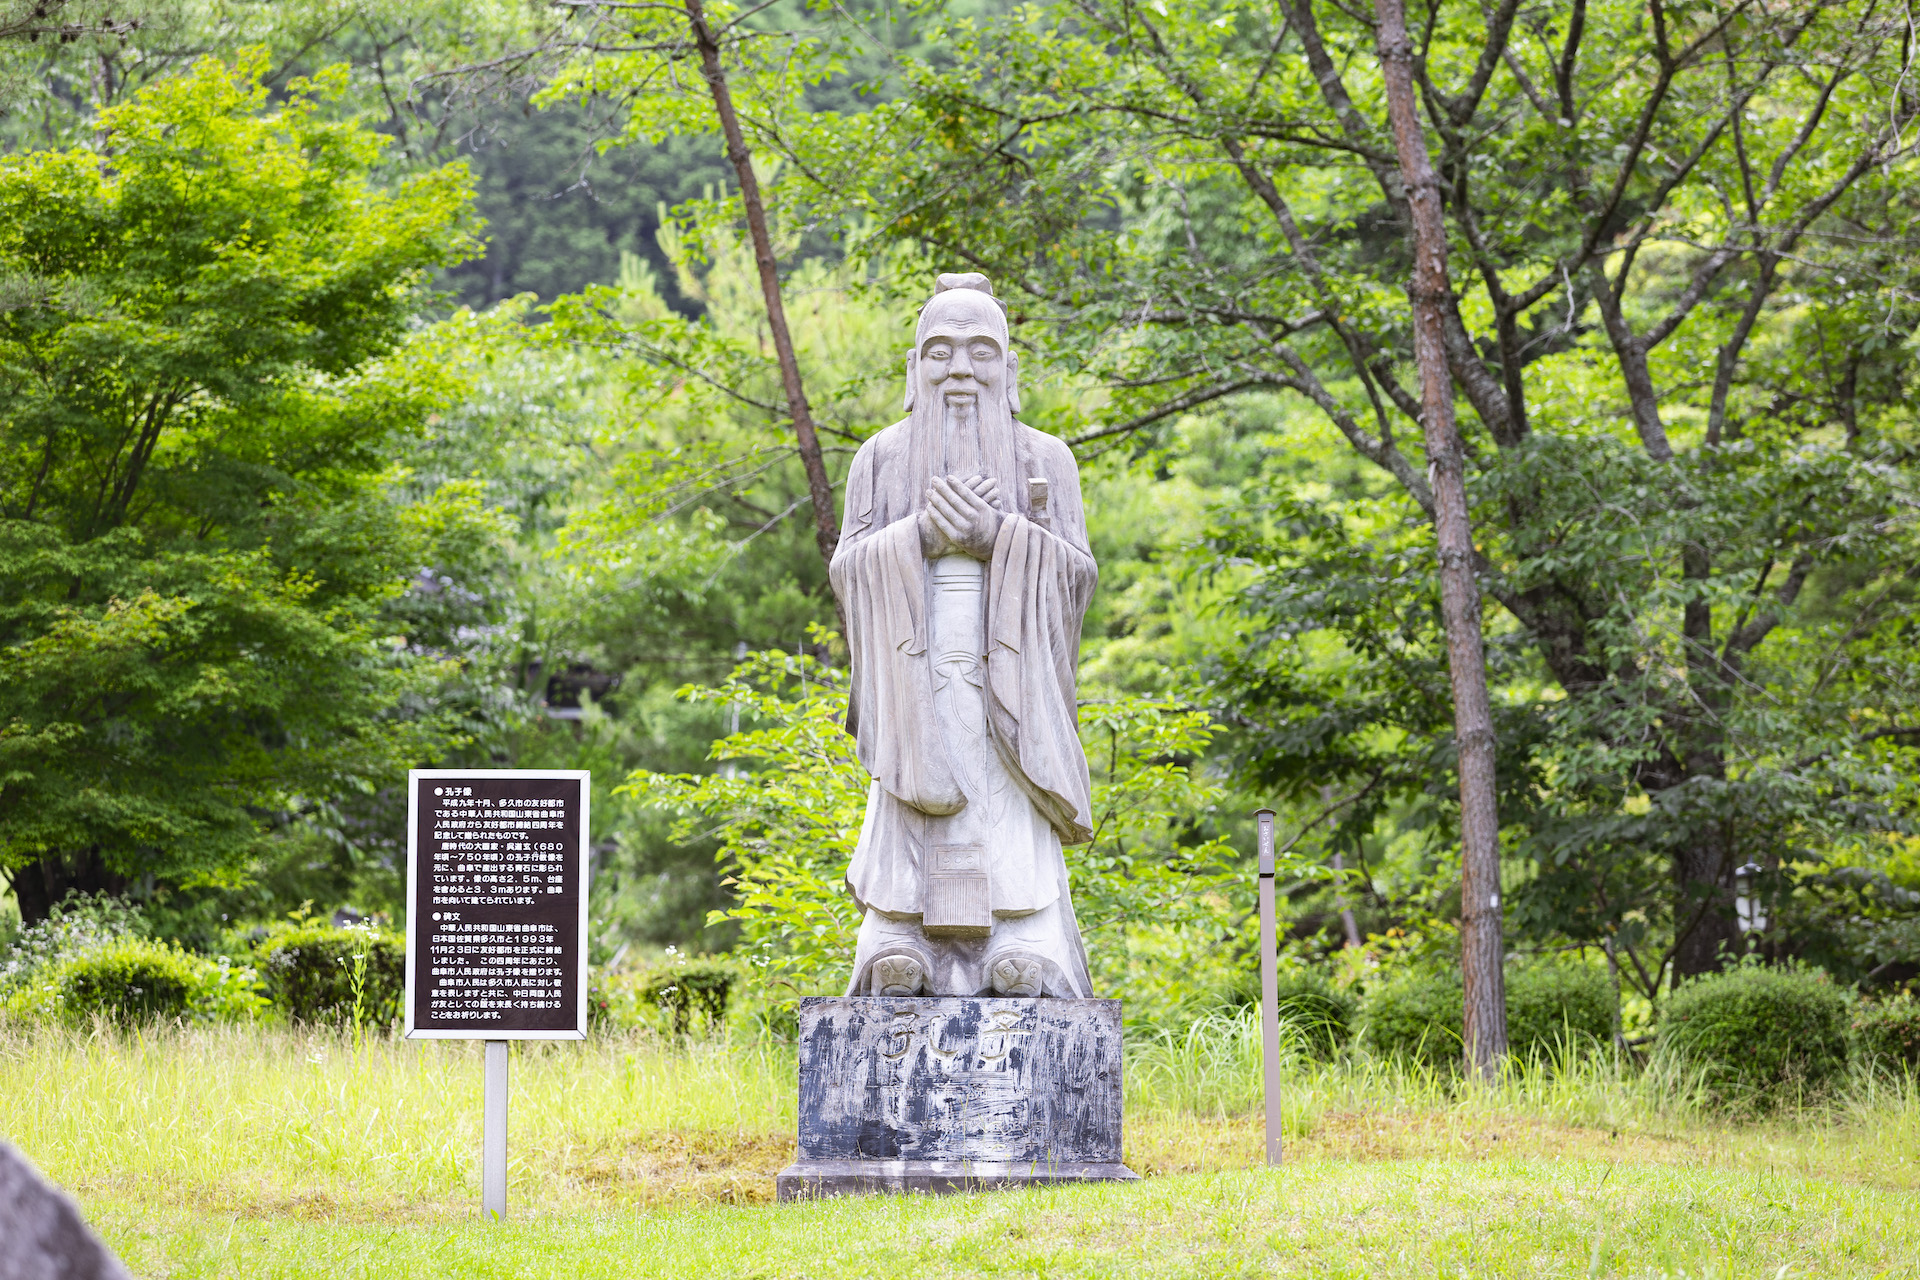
[(806, 1179), (42, 1235), (942, 1094)]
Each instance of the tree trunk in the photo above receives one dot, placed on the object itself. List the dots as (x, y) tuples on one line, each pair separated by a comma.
[(1704, 901), (1481, 951), (40, 886), (826, 529), (1703, 870)]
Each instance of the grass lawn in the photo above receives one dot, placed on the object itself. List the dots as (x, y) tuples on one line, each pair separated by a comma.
[(265, 1154)]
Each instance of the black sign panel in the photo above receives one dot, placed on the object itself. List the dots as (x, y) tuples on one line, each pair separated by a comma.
[(497, 904)]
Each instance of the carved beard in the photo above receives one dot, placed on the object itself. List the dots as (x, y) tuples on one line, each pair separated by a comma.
[(980, 438)]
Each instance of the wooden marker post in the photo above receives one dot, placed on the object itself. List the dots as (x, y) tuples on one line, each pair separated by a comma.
[(496, 923), (1269, 988)]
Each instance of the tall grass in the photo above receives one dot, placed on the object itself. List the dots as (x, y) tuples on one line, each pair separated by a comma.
[(311, 1117), (251, 1119), (1210, 1070)]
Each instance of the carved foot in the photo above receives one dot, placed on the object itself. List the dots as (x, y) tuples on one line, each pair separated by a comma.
[(898, 975), (1017, 974)]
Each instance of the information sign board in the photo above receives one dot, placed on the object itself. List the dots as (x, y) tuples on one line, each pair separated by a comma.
[(496, 904)]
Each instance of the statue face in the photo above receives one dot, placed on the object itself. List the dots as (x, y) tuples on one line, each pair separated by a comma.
[(958, 366), (962, 352)]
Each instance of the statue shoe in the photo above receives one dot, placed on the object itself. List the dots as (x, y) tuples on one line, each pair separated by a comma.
[(898, 975), (1017, 973)]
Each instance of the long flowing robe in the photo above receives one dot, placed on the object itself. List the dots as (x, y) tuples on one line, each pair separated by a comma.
[(909, 714)]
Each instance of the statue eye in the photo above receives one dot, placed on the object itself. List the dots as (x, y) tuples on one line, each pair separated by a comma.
[(939, 351), (983, 351)]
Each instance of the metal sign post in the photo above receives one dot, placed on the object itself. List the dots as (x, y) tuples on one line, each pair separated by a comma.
[(493, 1133), (496, 923), (1269, 988)]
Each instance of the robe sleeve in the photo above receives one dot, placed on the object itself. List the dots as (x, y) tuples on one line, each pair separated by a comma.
[(879, 575), (1040, 584)]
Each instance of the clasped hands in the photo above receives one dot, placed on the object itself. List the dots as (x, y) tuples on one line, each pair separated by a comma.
[(960, 516)]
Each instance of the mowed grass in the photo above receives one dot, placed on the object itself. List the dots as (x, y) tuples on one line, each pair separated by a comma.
[(243, 1152)]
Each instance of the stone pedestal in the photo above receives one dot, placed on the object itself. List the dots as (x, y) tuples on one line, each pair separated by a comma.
[(949, 1094)]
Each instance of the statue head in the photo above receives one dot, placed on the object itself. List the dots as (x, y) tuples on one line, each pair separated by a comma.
[(960, 349)]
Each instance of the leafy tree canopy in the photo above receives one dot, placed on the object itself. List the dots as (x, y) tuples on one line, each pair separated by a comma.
[(1684, 238), (203, 365)]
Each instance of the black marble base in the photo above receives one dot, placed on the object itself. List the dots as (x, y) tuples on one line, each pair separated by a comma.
[(953, 1093), (809, 1179)]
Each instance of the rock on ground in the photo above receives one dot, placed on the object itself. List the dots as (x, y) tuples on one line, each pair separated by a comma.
[(42, 1235)]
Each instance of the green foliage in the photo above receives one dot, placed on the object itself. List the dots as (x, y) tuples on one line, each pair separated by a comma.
[(1759, 1035), (1210, 1067), (1558, 1007), (1555, 1009), (694, 538), (266, 538), (132, 980), (693, 993), (315, 973), (656, 75), (1689, 442), (1323, 1015), (127, 982), (677, 994), (76, 924), (202, 371), (787, 828), (1887, 1032), (1416, 1018)]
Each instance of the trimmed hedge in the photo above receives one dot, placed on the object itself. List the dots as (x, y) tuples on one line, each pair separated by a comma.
[(682, 996), (131, 981), (309, 972), (1888, 1033), (1557, 1006), (1323, 1013), (693, 992), (1551, 1007), (1759, 1035), (1416, 1019)]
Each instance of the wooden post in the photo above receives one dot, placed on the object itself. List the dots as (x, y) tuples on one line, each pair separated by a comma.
[(493, 1141), (1269, 989)]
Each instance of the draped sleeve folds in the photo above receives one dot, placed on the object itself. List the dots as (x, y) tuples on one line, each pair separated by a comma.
[(1038, 585)]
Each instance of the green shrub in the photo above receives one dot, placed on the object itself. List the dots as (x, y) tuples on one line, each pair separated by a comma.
[(617, 998), (1759, 1035), (1323, 1014), (1557, 1006), (79, 922), (1416, 1019), (692, 992), (311, 971), (137, 980), (133, 980), (1888, 1033), (680, 994), (1419, 1018)]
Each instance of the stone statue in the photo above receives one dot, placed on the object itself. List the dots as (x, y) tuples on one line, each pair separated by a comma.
[(964, 572)]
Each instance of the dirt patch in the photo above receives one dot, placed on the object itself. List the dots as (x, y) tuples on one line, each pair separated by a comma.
[(645, 1169), (682, 1166)]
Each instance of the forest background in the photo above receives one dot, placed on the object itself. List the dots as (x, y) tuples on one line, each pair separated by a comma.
[(387, 384)]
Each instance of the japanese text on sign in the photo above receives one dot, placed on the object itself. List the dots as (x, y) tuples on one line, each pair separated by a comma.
[(497, 887)]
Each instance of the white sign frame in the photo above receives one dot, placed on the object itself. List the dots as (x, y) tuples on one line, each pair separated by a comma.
[(416, 777)]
